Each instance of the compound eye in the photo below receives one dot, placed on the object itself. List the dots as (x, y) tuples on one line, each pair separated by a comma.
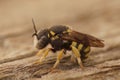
[(42, 42)]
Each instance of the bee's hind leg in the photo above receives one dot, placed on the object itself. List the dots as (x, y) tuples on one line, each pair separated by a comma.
[(78, 56), (45, 53)]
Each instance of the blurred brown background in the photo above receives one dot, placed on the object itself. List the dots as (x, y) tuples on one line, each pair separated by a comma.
[(100, 18)]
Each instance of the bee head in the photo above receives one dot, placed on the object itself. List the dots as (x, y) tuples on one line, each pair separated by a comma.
[(40, 38)]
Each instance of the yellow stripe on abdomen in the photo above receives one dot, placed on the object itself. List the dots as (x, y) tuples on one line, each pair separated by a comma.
[(87, 49)]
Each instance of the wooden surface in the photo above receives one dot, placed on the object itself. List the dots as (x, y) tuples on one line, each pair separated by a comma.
[(96, 17)]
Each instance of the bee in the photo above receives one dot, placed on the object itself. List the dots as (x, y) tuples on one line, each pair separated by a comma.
[(62, 38)]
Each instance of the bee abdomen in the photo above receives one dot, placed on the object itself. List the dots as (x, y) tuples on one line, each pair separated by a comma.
[(85, 52)]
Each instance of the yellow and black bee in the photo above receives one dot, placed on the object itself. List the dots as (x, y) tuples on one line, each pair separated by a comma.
[(62, 38)]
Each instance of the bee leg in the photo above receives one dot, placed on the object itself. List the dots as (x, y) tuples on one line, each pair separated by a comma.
[(40, 52), (77, 54), (43, 56), (73, 59), (59, 57)]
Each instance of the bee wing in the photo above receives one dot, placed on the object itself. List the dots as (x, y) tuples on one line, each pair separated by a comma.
[(83, 38)]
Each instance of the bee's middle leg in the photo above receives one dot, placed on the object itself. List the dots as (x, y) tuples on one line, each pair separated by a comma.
[(59, 57), (73, 59)]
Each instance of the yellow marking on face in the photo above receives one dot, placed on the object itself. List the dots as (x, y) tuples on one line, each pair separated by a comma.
[(74, 44), (87, 49), (80, 46), (52, 33)]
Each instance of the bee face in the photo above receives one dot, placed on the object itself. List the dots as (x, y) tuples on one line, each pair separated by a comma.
[(41, 39)]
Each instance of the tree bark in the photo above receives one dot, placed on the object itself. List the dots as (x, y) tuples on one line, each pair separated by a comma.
[(101, 62)]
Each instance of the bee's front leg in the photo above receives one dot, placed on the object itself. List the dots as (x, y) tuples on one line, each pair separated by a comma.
[(40, 52), (45, 53), (77, 54)]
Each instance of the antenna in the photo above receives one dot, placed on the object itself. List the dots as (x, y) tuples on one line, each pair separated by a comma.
[(34, 27)]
